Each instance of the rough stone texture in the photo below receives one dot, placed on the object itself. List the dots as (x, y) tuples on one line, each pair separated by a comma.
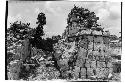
[(101, 64), (82, 53), (76, 72), (13, 76), (14, 70), (93, 64), (80, 62), (83, 44), (101, 58), (83, 73), (88, 64), (26, 49), (102, 73), (90, 72), (109, 64)]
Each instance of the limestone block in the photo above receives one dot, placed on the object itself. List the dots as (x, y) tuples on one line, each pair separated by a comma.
[(14, 70), (102, 72), (101, 64), (76, 72), (87, 64), (109, 64), (93, 64), (106, 72), (82, 53), (90, 46), (80, 62), (65, 74), (90, 72), (101, 58), (96, 57), (13, 76), (99, 73), (83, 44), (110, 70), (96, 53), (91, 56), (95, 47), (83, 73)]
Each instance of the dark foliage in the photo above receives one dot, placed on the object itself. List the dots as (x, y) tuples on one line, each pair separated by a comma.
[(44, 44), (37, 41), (19, 30), (82, 16)]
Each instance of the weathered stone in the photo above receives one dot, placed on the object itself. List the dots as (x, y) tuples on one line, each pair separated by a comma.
[(90, 72), (116, 67), (98, 74), (87, 64), (84, 44), (110, 70), (63, 64), (80, 62), (93, 64), (90, 46), (101, 58), (83, 72), (26, 49), (109, 64), (82, 53), (91, 56), (102, 73), (101, 64), (14, 70), (13, 76), (76, 72)]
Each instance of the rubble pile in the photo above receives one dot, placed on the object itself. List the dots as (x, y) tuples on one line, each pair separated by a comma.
[(65, 55), (84, 62), (19, 51), (45, 69), (14, 50), (93, 54), (82, 53)]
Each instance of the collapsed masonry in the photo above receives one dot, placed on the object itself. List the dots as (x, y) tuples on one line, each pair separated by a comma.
[(86, 56), (84, 51)]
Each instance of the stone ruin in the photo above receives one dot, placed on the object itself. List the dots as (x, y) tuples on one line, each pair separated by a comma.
[(82, 53)]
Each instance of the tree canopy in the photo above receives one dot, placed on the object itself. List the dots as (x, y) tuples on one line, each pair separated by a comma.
[(82, 16)]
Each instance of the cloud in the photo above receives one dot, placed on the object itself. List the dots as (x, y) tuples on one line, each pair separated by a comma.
[(49, 9), (115, 12), (11, 19), (37, 10), (57, 12), (103, 14)]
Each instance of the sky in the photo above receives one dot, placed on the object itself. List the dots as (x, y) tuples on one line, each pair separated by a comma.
[(56, 12)]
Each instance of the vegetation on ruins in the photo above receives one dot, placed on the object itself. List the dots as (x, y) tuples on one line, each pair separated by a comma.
[(82, 17), (31, 57)]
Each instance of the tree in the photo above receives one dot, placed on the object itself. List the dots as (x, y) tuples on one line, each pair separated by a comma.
[(41, 21), (19, 30), (82, 17)]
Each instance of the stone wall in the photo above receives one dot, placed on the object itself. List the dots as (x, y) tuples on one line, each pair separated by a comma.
[(90, 60), (20, 54), (93, 62)]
